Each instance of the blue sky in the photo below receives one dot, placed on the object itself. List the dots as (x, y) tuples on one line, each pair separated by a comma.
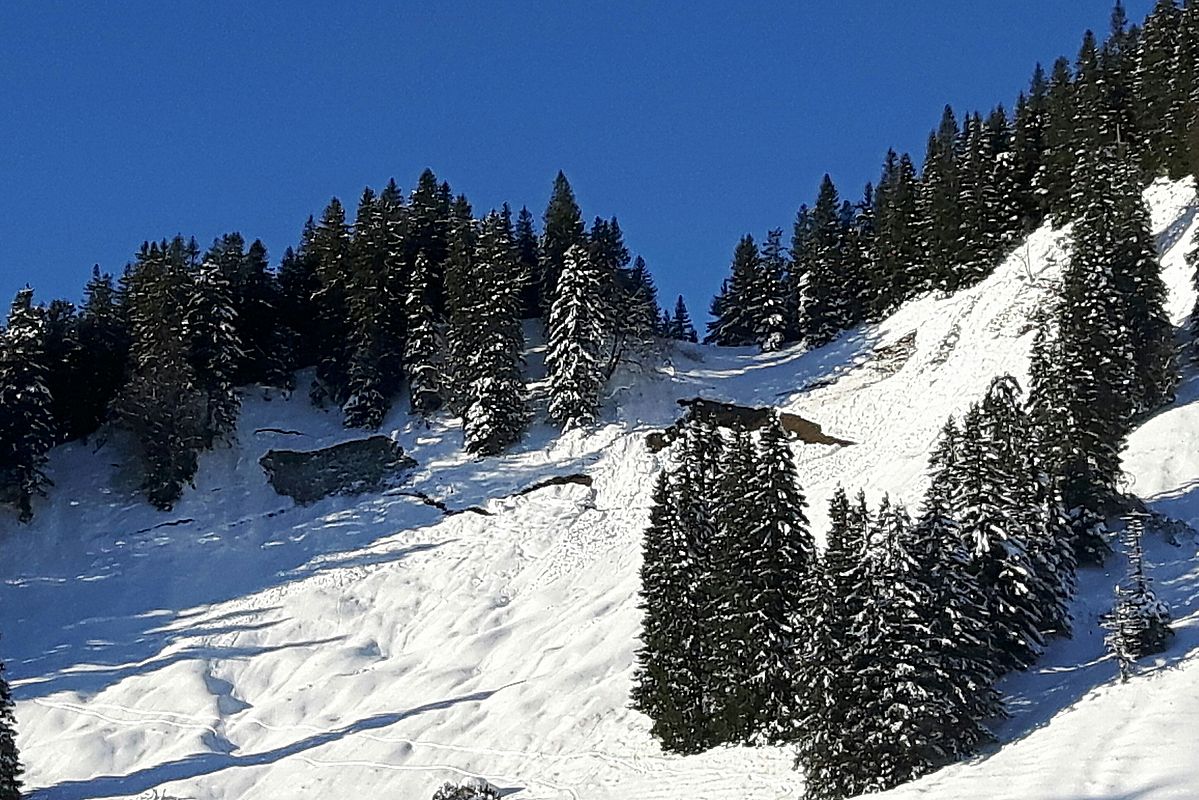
[(693, 122)]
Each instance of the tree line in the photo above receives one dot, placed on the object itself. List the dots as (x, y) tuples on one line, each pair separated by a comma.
[(417, 295), (986, 181)]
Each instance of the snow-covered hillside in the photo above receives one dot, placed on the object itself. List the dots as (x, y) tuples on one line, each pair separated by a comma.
[(240, 647)]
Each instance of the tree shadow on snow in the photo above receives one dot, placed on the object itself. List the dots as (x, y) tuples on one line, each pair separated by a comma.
[(205, 764)]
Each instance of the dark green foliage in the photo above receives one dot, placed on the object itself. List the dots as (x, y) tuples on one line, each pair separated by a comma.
[(528, 256), (562, 229), (65, 361), (27, 426), (896, 246), (210, 326), (678, 326), (10, 761), (731, 324), (299, 315), (330, 250), (163, 405), (938, 208), (1109, 354), (1139, 625), (1160, 103), (255, 294), (834, 292), (424, 346)]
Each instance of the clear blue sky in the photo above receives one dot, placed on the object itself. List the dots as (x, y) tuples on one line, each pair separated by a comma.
[(694, 122)]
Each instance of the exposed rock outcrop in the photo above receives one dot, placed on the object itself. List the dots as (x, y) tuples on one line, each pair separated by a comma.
[(353, 467), (734, 417)]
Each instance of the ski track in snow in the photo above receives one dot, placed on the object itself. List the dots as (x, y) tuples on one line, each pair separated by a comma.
[(242, 647)]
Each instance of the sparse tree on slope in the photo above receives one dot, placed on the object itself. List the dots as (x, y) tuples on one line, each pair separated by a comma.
[(1140, 623), (680, 327)]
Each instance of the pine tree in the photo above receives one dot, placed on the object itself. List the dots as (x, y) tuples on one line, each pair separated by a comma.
[(1028, 145), (1160, 103), (768, 302), (732, 325), (896, 250), (210, 326), (10, 761), (831, 298), (1109, 354), (528, 256), (463, 335), (680, 326), (573, 365), (104, 340), (826, 745), (27, 430), (562, 229), (643, 322), (496, 413), (64, 358), (937, 205), (428, 225), (423, 348), (1140, 623), (299, 284), (163, 405), (330, 249), (371, 342), (775, 559), (1053, 181)]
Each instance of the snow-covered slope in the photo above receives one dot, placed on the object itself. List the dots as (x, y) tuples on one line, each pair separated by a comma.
[(241, 647)]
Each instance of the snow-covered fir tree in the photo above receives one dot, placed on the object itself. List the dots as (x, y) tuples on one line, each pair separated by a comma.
[(10, 761), (938, 206), (370, 340), (27, 425), (496, 410), (574, 367), (1106, 355), (562, 229), (768, 300), (895, 254), (423, 346), (1139, 625), (210, 325)]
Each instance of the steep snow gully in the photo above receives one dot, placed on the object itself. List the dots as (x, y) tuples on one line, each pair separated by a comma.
[(245, 648)]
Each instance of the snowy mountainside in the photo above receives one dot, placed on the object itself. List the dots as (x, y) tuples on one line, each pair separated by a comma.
[(242, 647)]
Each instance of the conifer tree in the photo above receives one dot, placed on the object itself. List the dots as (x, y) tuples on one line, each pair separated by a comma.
[(371, 343), (1160, 103), (826, 744), (732, 325), (461, 298), (210, 325), (331, 252), (1053, 182), (64, 358), (643, 322), (27, 429), (428, 225), (163, 405), (896, 248), (496, 413), (768, 301), (773, 567), (1139, 624), (104, 340), (423, 348), (10, 761), (528, 256), (562, 229), (830, 301), (1107, 356), (1028, 144), (299, 284), (937, 204), (680, 326), (573, 364)]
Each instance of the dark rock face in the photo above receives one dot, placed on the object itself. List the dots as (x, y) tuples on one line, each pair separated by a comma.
[(734, 417), (353, 467)]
